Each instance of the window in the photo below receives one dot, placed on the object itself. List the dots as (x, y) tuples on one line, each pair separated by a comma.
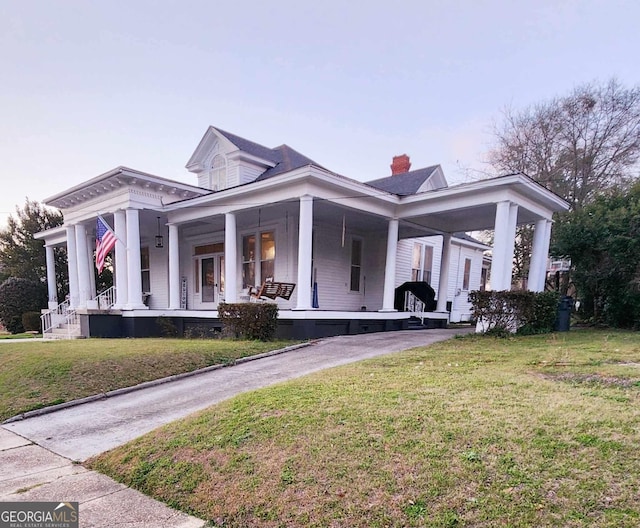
[(218, 173), (421, 262), (427, 264), (416, 260), (248, 261), (267, 256), (263, 244), (467, 273), (356, 264), (144, 268)]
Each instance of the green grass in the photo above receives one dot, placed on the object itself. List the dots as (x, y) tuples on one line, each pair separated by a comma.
[(25, 335), (531, 431), (39, 374)]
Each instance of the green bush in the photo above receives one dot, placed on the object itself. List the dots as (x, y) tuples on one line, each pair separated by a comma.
[(31, 321), (249, 320), (504, 312), (166, 326), (18, 296)]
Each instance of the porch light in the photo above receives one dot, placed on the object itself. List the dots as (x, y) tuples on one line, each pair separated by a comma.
[(159, 237)]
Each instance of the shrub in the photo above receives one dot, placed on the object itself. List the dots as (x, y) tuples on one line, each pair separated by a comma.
[(166, 326), (503, 312), (31, 321), (249, 320), (18, 296)]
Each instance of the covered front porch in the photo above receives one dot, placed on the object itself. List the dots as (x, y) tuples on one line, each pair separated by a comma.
[(334, 238)]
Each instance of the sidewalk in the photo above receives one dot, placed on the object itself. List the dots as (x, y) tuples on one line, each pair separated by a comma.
[(36, 454)]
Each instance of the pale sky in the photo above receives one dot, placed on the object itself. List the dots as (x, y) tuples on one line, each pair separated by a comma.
[(89, 85)]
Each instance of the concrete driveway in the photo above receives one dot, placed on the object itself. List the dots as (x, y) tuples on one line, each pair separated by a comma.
[(37, 458)]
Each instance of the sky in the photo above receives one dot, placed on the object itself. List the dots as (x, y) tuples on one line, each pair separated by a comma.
[(88, 86)]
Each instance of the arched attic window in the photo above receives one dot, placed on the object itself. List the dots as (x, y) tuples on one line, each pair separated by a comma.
[(218, 174)]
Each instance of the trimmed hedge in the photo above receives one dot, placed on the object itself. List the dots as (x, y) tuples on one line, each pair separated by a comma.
[(524, 312), (18, 296), (257, 321)]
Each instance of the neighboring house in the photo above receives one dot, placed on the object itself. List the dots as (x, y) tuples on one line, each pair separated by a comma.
[(262, 214)]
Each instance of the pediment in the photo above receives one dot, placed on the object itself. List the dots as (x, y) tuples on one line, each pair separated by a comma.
[(234, 147), (122, 181)]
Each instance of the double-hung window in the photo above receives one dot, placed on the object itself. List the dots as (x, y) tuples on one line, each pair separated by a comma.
[(262, 245), (356, 264)]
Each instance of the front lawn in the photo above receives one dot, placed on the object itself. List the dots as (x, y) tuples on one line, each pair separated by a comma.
[(521, 432), (38, 374)]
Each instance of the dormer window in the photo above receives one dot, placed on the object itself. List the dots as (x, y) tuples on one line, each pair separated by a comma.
[(218, 174)]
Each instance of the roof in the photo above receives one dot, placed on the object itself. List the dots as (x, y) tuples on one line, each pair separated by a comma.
[(460, 235), (284, 157), (404, 184)]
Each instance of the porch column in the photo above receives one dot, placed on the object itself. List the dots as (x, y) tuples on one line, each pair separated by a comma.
[(51, 277), (503, 245), (84, 280), (305, 234), (134, 274), (121, 282), (390, 267), (443, 281), (230, 259), (91, 241), (539, 254), (72, 262), (174, 268)]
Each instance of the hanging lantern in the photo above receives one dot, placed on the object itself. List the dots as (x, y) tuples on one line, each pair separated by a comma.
[(159, 237)]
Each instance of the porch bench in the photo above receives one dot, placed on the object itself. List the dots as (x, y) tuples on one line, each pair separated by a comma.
[(271, 290)]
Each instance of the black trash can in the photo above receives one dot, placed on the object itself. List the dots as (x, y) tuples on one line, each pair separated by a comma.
[(563, 319)]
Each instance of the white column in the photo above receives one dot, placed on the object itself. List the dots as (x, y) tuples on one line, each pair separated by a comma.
[(539, 254), (390, 267), (91, 245), (120, 280), (72, 262), (134, 274), (230, 259), (52, 288), (84, 280), (305, 234), (503, 246), (443, 282), (174, 268)]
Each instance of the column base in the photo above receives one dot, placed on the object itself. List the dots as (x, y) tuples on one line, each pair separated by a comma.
[(387, 310)]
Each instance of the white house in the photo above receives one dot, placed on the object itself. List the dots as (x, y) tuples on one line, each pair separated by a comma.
[(257, 214)]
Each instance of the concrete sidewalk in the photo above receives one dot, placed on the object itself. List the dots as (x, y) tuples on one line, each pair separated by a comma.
[(36, 453)]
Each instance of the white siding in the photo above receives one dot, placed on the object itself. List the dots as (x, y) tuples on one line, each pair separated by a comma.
[(332, 263), (159, 277), (461, 307)]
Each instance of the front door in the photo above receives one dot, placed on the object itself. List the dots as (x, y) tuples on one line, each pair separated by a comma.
[(209, 281)]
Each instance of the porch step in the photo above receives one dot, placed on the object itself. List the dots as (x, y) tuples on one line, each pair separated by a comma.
[(415, 324), (64, 331)]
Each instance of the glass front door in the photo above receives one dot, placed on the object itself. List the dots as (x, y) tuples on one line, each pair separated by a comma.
[(210, 281)]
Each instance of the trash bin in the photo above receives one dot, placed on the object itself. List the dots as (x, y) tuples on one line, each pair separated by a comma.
[(563, 318)]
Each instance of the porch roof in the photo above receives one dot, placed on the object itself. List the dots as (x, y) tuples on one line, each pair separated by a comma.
[(118, 178)]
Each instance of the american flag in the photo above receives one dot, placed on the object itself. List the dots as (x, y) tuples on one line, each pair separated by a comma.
[(105, 241)]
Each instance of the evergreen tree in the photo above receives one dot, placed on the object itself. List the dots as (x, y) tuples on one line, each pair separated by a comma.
[(22, 256)]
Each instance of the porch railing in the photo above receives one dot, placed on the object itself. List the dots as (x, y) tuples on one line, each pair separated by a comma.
[(65, 321), (61, 317), (414, 306), (106, 299)]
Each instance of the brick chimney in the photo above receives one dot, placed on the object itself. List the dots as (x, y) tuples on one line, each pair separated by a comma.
[(400, 164)]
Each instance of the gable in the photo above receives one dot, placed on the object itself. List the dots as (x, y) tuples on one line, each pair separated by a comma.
[(412, 182), (222, 160)]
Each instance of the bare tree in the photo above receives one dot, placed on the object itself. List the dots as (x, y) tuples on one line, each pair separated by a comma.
[(578, 146)]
